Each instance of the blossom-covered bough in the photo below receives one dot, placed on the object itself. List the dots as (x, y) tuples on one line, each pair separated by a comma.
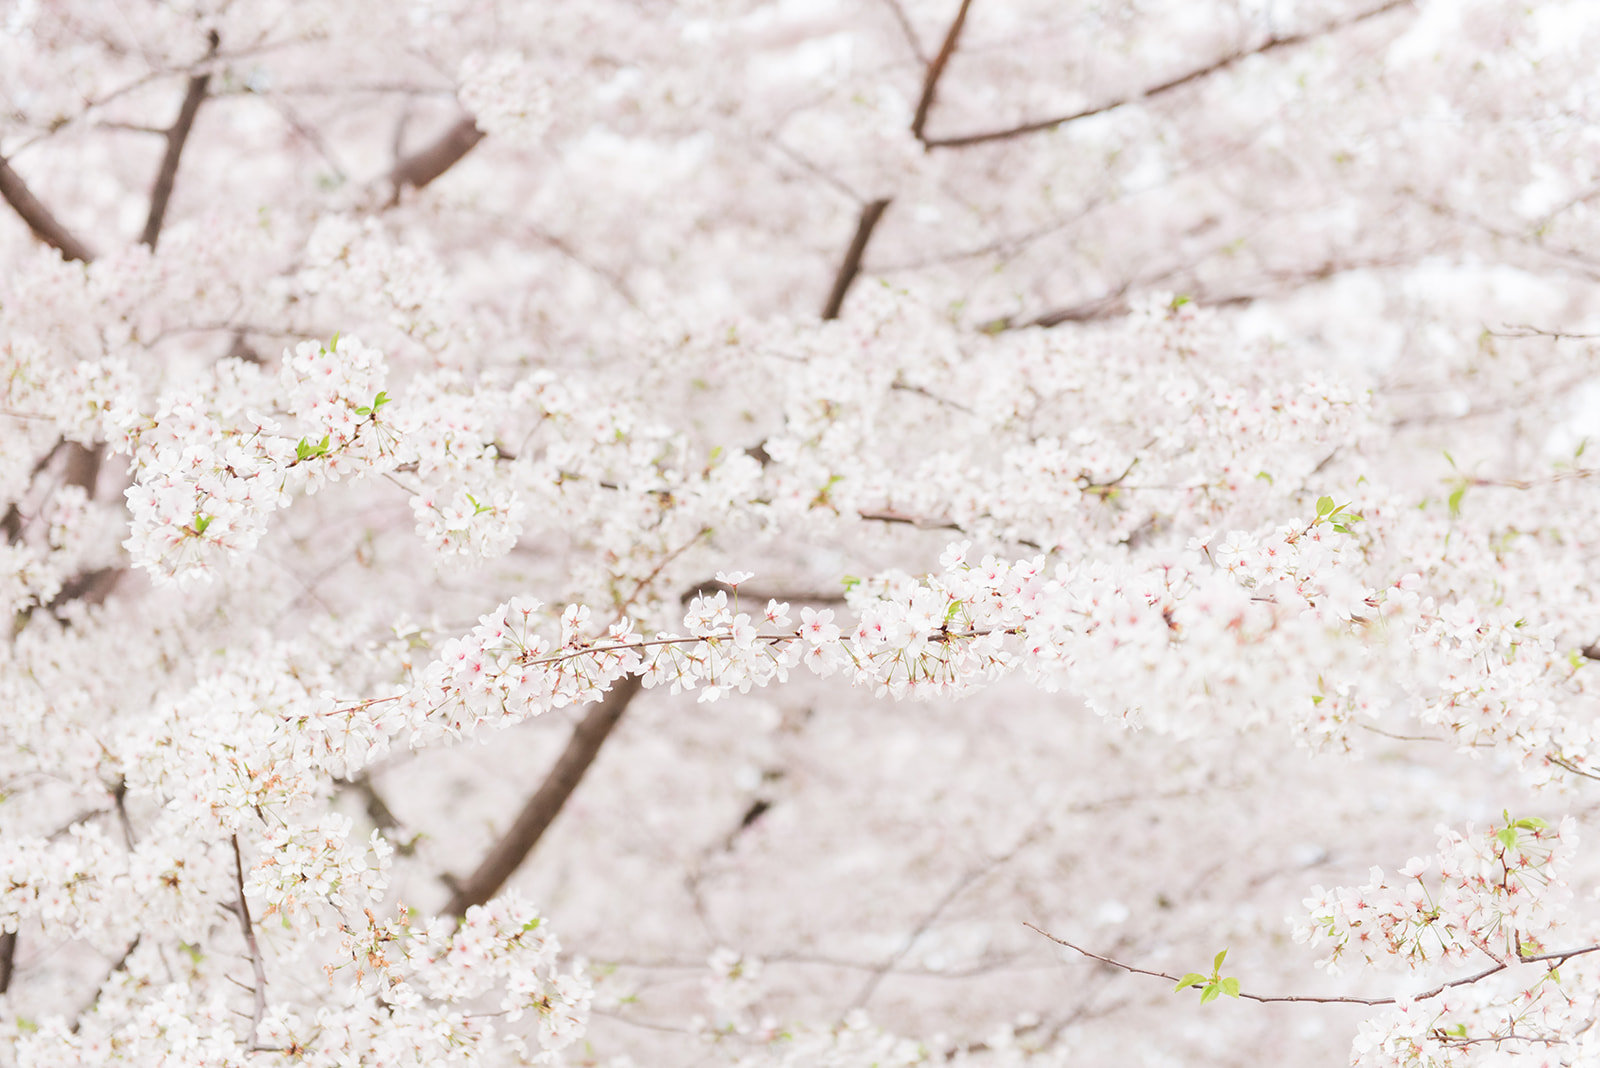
[(1187, 403)]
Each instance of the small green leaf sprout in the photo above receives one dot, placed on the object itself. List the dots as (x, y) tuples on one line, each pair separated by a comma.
[(1214, 985)]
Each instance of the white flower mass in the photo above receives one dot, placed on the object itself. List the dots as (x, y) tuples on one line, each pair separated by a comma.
[(770, 534)]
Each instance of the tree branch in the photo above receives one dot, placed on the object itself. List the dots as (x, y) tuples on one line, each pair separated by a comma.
[(545, 805), (1559, 958), (1271, 44), (44, 225), (872, 211), (247, 927), (426, 164), (851, 265), (177, 137), (930, 80), (8, 959)]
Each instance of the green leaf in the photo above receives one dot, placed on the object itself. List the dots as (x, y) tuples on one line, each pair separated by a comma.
[(1507, 837), (201, 522), (1210, 993), (1324, 505), (851, 581), (1455, 499), (1216, 963), (1230, 987), (334, 344), (950, 613), (380, 400), (1192, 979), (1531, 823)]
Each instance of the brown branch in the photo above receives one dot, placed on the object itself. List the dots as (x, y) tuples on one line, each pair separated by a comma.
[(43, 224), (1271, 44), (426, 164), (1116, 303), (1522, 330), (247, 927), (930, 80), (177, 137), (1562, 762), (519, 840), (851, 266), (1560, 957), (872, 211), (8, 959)]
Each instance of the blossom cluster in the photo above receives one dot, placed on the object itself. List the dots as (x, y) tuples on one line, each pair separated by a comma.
[(1497, 896)]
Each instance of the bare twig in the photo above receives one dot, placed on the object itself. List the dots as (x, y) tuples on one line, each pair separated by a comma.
[(519, 840), (956, 889), (1559, 958), (177, 136), (428, 163), (43, 224), (242, 910), (850, 266), (906, 29), (1536, 483), (1116, 303), (1271, 44), (1523, 330)]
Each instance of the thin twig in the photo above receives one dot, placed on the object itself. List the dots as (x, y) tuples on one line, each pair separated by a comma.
[(959, 887), (242, 910), (1560, 957), (906, 29), (1271, 44), (1562, 762), (1523, 330)]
